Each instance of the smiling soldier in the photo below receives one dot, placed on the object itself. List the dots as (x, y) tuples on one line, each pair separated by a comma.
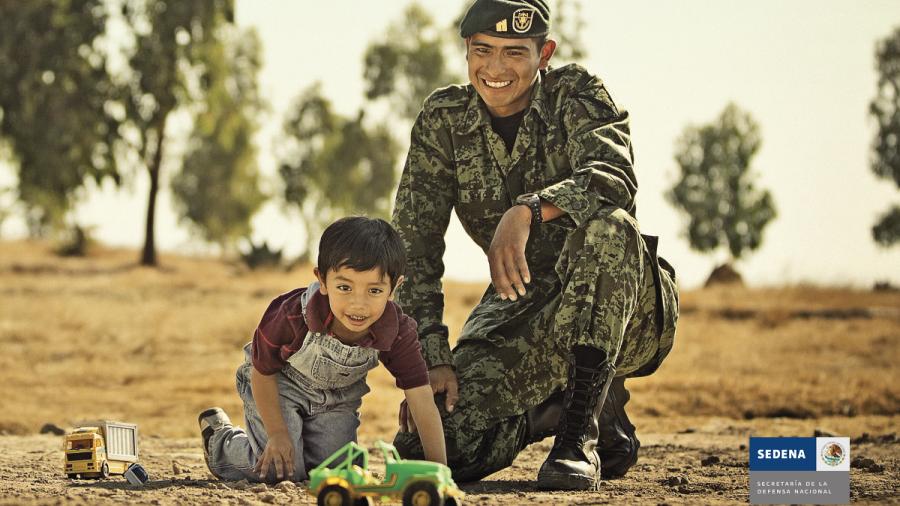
[(537, 163)]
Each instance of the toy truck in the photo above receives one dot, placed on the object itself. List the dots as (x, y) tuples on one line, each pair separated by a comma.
[(344, 480), (100, 448)]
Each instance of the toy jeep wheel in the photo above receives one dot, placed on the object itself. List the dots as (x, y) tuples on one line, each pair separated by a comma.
[(72, 476), (421, 493), (104, 470), (334, 495)]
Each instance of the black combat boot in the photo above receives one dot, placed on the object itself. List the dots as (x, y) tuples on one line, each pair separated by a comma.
[(618, 444), (573, 463), (542, 420)]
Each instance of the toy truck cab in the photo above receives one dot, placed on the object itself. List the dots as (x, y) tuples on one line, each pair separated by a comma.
[(344, 480), (98, 449)]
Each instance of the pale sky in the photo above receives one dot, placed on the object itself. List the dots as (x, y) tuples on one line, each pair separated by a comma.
[(803, 69)]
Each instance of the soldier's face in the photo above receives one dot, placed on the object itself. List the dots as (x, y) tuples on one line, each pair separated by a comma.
[(503, 70)]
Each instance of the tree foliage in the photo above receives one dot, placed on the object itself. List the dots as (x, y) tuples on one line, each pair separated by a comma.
[(716, 189), (54, 103), (885, 109), (408, 63), (567, 30), (171, 40), (217, 190), (335, 165)]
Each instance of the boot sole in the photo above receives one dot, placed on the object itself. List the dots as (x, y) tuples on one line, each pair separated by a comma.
[(566, 481)]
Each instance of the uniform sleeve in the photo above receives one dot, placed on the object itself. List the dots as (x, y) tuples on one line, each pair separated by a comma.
[(599, 151), (404, 360), (425, 199)]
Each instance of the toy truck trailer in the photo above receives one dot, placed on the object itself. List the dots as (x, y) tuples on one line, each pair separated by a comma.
[(100, 448)]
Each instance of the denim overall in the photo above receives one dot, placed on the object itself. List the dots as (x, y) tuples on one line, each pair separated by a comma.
[(320, 390)]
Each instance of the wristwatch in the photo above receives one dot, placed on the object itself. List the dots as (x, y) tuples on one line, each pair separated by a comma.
[(533, 203)]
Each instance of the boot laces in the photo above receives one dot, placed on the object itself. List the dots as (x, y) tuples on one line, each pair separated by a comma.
[(580, 401)]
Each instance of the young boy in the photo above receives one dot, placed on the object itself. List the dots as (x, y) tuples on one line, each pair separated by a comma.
[(305, 370)]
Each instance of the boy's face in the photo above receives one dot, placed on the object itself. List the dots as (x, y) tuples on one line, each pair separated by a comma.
[(357, 299)]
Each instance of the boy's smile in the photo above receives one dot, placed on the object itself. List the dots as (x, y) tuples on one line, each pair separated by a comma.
[(357, 300)]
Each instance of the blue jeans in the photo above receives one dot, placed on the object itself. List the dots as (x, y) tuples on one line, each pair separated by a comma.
[(319, 421)]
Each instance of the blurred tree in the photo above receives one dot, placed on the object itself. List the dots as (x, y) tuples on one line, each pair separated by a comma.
[(567, 29), (335, 165), (55, 104), (885, 108), (717, 190), (170, 42), (409, 63), (217, 190)]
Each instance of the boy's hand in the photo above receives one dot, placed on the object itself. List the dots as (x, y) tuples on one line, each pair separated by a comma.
[(443, 379), (279, 453)]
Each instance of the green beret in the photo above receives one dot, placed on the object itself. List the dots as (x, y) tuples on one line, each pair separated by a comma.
[(506, 18)]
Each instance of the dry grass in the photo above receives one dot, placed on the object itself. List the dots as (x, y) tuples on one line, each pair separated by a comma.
[(101, 337)]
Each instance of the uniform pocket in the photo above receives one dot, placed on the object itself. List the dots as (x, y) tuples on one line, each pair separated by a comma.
[(480, 211), (335, 375)]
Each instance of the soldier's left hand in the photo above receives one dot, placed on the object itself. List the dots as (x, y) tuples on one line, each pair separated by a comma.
[(506, 255)]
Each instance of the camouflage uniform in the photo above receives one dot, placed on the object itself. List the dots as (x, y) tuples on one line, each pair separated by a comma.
[(595, 280)]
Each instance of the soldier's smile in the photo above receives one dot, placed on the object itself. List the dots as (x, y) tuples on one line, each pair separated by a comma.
[(496, 84)]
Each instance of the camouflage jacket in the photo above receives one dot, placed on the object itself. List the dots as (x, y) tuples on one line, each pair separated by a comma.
[(573, 149)]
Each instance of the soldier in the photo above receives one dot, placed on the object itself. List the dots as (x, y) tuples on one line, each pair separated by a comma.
[(537, 163)]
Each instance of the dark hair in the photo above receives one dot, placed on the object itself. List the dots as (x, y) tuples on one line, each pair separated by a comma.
[(540, 41), (362, 244)]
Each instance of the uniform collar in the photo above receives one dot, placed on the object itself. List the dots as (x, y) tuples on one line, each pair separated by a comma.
[(381, 334), (477, 115)]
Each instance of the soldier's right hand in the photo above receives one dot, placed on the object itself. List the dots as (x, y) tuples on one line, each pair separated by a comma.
[(279, 453), (443, 379), (506, 255)]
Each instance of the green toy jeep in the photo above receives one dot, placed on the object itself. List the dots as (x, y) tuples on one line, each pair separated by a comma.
[(340, 481)]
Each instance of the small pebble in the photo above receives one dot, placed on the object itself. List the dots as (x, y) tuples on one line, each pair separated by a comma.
[(285, 486), (708, 461)]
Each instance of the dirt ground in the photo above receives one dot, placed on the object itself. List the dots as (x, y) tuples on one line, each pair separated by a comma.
[(101, 338)]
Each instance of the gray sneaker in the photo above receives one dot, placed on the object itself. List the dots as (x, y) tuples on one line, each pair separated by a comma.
[(211, 420)]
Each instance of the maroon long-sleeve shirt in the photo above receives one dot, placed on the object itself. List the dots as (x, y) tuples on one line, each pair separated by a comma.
[(283, 327)]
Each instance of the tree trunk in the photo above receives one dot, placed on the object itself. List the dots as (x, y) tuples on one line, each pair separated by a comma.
[(148, 256)]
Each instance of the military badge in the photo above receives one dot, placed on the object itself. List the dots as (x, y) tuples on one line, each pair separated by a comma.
[(522, 20), (500, 26)]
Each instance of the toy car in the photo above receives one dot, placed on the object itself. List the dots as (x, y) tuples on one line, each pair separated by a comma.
[(344, 480)]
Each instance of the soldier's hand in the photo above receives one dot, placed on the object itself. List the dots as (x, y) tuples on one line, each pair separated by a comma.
[(443, 379), (506, 256)]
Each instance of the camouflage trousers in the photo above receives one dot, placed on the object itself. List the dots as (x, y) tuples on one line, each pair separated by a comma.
[(512, 356)]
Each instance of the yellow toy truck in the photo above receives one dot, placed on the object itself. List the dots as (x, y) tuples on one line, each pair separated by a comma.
[(100, 448)]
